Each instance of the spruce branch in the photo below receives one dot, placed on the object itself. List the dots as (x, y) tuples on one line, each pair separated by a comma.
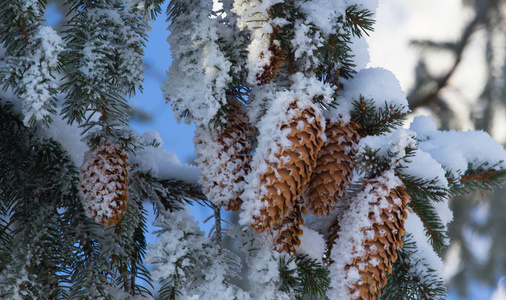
[(306, 277), (335, 53), (411, 277), (314, 278), (434, 228), (425, 188), (373, 162), (166, 194), (483, 176), (31, 59), (375, 120), (359, 20)]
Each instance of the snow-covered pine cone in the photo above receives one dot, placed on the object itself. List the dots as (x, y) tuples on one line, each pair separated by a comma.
[(371, 231), (284, 181), (334, 168), (276, 59), (224, 158), (104, 183)]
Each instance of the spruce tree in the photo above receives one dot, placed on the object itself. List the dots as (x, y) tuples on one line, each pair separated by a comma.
[(331, 197)]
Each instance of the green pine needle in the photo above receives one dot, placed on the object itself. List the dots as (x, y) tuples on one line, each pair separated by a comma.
[(374, 121), (360, 21), (412, 278)]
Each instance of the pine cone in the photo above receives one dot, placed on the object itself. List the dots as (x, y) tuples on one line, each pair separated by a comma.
[(289, 230), (275, 61), (224, 158), (104, 184), (333, 235), (381, 240), (284, 181), (334, 168)]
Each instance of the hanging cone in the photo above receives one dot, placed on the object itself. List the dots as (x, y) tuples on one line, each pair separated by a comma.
[(275, 61), (334, 168), (104, 184), (224, 158), (333, 235), (289, 230), (381, 240), (283, 182)]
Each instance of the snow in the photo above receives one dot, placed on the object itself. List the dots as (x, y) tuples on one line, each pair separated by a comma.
[(324, 13), (421, 165), (164, 164), (390, 147), (172, 244), (455, 150), (305, 41), (69, 137), (181, 248), (312, 244), (425, 251), (200, 71), (423, 126), (376, 84), (360, 50), (263, 274), (38, 84)]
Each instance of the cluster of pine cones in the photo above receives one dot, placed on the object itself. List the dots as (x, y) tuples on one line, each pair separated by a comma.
[(311, 174)]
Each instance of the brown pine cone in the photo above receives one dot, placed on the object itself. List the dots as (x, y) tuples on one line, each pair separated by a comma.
[(104, 183), (333, 235), (289, 231), (284, 181), (224, 158), (334, 168), (275, 61), (381, 239)]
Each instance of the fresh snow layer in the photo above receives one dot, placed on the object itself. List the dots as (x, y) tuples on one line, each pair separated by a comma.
[(312, 244), (164, 164), (421, 165), (425, 251), (456, 150), (38, 84), (376, 84), (324, 13), (390, 146)]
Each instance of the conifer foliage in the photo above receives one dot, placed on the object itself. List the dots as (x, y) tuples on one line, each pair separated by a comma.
[(330, 196)]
